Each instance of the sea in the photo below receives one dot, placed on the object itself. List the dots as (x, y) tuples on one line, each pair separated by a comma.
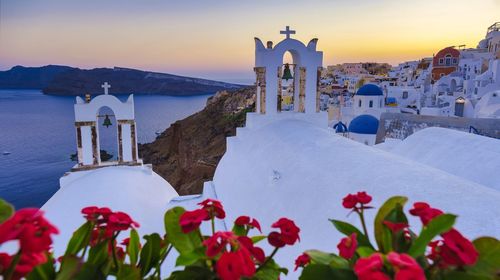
[(37, 137)]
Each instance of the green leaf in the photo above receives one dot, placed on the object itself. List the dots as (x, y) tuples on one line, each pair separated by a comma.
[(239, 230), (133, 247), (489, 256), (256, 239), (349, 229), (462, 275), (98, 255), (332, 260), (44, 271), (382, 234), (69, 268), (194, 273), (129, 272), (79, 240), (6, 210), (365, 251), (150, 254), (183, 242), (322, 271), (191, 257), (271, 271), (436, 226), (91, 271)]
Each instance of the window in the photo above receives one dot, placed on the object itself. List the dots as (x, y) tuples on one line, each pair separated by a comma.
[(447, 60), (359, 103), (441, 61), (405, 94), (454, 61), (371, 104)]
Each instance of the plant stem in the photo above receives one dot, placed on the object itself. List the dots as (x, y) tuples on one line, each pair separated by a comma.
[(162, 260), (362, 218), (213, 225), (12, 267), (115, 259), (268, 259)]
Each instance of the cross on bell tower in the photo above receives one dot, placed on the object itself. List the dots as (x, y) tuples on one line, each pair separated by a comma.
[(106, 87), (287, 32)]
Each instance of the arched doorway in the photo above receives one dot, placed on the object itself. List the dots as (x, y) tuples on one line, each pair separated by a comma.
[(286, 80), (291, 83), (107, 130)]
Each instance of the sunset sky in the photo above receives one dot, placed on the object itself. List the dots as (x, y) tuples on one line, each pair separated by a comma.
[(214, 38)]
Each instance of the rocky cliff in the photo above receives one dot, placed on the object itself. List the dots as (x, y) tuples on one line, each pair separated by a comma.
[(187, 153)]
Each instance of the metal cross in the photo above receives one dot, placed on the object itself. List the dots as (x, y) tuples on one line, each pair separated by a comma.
[(287, 32), (106, 86)]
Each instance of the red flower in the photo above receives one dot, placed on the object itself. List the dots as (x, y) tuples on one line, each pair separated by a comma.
[(256, 252), (457, 250), (247, 221), (406, 267), (96, 214), (191, 220), (289, 231), (118, 221), (234, 265), (218, 242), (435, 254), (214, 208), (395, 227), (370, 268), (302, 261), (350, 201), (25, 265), (425, 212), (347, 246), (5, 260), (363, 198), (275, 239), (31, 229), (125, 241)]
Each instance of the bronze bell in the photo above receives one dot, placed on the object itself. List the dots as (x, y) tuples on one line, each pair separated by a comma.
[(287, 74), (107, 122)]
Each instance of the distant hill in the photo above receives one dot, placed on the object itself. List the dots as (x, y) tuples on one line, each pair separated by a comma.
[(64, 80), (20, 77)]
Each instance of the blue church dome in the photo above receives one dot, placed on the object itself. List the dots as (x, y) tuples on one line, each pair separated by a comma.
[(364, 124), (370, 90)]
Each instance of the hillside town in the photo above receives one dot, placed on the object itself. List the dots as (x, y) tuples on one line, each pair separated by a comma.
[(455, 82)]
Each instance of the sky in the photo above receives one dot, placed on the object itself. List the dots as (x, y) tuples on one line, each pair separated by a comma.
[(214, 38)]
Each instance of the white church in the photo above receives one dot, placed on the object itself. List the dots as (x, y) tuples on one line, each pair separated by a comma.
[(286, 164)]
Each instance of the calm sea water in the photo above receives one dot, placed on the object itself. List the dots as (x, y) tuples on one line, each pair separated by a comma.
[(38, 131)]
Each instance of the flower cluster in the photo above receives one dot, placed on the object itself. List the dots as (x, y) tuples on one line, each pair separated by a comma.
[(404, 266), (356, 201), (453, 249), (398, 247), (34, 233), (234, 254)]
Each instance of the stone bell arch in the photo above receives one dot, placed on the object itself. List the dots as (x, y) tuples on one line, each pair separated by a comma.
[(87, 134), (268, 63)]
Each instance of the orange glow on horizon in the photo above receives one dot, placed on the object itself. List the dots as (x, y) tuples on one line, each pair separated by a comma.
[(178, 38)]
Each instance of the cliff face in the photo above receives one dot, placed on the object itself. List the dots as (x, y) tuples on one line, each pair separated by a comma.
[(187, 153)]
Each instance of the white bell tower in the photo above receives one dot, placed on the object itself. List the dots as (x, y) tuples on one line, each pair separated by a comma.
[(87, 132)]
